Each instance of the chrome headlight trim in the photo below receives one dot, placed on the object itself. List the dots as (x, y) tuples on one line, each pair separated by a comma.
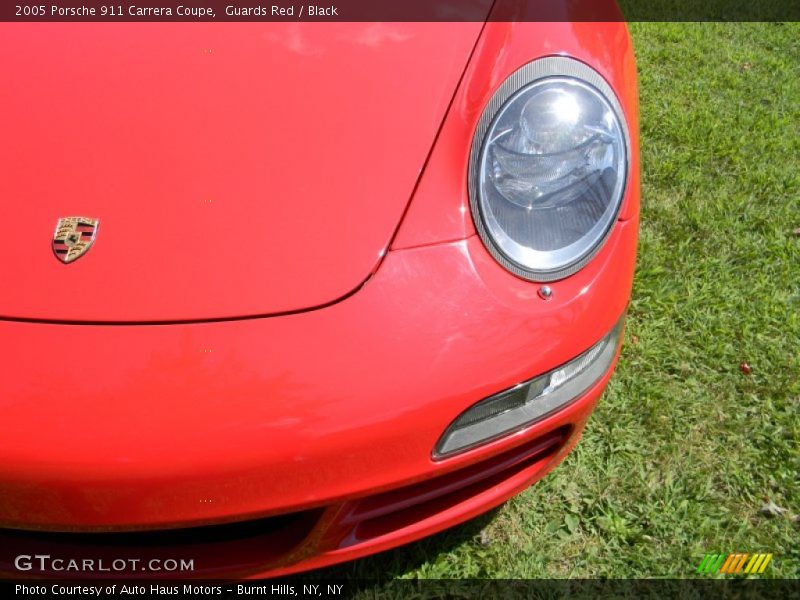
[(543, 68)]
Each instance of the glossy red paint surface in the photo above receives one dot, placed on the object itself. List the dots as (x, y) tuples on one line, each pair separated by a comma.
[(119, 427), (178, 425), (325, 549), (236, 168), (175, 424)]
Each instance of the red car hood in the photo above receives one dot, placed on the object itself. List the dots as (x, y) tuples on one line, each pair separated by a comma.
[(236, 168)]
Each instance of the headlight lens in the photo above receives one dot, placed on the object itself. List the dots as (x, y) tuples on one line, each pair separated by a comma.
[(548, 168)]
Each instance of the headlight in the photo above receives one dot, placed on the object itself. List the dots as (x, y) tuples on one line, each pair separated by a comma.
[(530, 401), (548, 168)]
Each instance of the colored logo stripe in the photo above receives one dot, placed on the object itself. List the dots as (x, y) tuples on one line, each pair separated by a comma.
[(758, 563), (734, 563), (711, 563)]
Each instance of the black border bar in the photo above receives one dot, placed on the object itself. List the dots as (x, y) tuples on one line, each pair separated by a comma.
[(330, 589), (398, 10)]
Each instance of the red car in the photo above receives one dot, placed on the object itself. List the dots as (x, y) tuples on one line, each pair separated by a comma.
[(278, 295)]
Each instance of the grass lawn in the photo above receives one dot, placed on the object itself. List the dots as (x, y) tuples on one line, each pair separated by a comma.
[(684, 448)]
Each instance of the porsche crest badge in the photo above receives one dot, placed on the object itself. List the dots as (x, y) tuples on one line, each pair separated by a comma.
[(73, 237)]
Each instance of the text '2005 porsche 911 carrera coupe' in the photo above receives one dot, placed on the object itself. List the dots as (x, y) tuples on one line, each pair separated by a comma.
[(280, 295)]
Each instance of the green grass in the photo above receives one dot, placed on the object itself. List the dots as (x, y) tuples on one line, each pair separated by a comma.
[(684, 448)]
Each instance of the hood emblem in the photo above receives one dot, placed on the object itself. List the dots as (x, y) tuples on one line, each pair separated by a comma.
[(73, 237)]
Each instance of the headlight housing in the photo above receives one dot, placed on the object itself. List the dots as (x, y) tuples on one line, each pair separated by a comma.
[(548, 168), (524, 404)]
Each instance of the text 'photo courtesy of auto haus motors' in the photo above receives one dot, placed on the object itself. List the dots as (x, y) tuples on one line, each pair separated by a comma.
[(276, 331)]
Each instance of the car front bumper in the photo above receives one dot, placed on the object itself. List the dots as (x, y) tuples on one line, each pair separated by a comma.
[(316, 428)]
